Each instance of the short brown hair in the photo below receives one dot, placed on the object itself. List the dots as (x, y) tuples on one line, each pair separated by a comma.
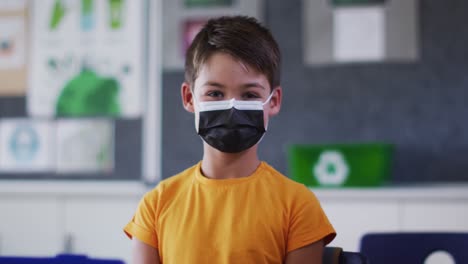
[(241, 37)]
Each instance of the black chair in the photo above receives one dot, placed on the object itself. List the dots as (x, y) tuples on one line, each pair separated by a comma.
[(59, 259), (413, 248), (336, 255)]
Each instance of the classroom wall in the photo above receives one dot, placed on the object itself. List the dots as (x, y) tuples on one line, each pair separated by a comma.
[(421, 106)]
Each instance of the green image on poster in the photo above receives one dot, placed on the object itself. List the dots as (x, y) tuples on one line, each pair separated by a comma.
[(57, 14), (116, 13), (89, 94), (206, 3), (87, 15)]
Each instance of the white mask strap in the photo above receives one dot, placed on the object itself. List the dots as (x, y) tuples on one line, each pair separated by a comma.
[(269, 97), (194, 99)]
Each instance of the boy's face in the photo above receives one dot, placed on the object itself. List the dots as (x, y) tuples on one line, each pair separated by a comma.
[(223, 77)]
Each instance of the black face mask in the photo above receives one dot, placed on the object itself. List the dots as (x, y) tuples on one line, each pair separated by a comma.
[(231, 126), (231, 130)]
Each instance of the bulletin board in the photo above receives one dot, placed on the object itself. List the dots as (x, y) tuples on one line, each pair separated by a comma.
[(84, 108)]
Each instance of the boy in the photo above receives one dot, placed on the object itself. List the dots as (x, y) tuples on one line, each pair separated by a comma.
[(230, 207)]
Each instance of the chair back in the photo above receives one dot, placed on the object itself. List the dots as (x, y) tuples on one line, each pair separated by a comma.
[(59, 259), (411, 248), (336, 255), (349, 257)]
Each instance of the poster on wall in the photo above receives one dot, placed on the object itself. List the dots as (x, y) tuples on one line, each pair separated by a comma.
[(12, 5), (13, 28), (26, 145), (360, 31), (183, 19), (85, 146), (191, 27), (86, 58)]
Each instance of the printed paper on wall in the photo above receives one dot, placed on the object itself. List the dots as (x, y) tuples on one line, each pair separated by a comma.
[(87, 58), (85, 146), (191, 27), (13, 43), (182, 19), (359, 33), (12, 5), (26, 145)]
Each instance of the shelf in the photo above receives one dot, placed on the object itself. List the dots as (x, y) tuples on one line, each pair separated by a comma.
[(72, 188), (449, 191)]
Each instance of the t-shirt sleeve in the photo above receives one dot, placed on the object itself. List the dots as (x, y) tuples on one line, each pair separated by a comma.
[(143, 224), (308, 222)]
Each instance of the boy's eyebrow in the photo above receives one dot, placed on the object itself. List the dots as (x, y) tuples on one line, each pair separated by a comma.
[(253, 84), (245, 86), (215, 84)]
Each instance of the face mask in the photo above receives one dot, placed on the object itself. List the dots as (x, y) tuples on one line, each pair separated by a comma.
[(232, 125)]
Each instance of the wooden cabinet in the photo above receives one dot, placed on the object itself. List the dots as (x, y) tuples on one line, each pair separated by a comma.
[(431, 208), (448, 215), (353, 218), (29, 225), (81, 218), (94, 226)]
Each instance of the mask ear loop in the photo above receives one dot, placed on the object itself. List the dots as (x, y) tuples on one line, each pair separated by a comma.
[(269, 98), (267, 101), (197, 111), (195, 101)]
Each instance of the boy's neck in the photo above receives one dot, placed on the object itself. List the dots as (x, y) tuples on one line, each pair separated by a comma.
[(219, 165)]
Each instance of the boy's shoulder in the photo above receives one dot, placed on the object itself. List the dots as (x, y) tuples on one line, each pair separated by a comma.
[(281, 178), (173, 183), (181, 178)]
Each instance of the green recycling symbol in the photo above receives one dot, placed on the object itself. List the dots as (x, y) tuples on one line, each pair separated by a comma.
[(331, 168)]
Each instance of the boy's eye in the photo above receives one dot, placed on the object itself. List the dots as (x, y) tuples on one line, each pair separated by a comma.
[(215, 94), (251, 96)]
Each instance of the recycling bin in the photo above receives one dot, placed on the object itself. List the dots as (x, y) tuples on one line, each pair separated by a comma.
[(340, 165)]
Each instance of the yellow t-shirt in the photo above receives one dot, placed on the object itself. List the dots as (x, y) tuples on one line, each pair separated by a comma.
[(256, 219)]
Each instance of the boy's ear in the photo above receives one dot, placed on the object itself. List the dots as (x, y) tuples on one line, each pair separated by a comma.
[(275, 101), (187, 97)]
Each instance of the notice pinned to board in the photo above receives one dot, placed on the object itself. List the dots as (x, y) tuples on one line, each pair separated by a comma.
[(13, 48), (87, 58), (26, 145), (359, 33), (12, 5), (85, 146), (12, 43)]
